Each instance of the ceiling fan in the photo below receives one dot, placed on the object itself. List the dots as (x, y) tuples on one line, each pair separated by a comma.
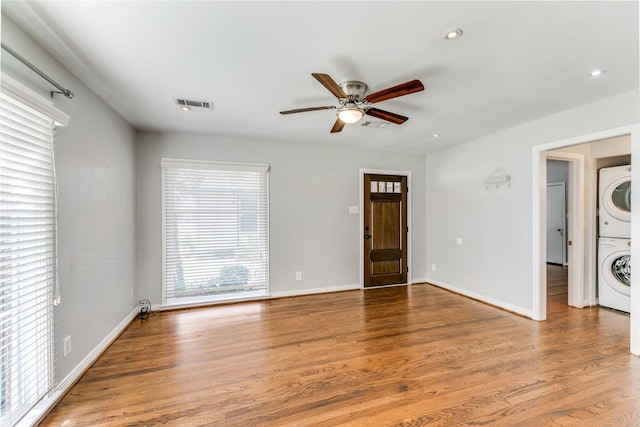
[(355, 103)]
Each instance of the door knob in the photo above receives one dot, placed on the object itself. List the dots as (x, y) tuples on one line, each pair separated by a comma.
[(367, 236)]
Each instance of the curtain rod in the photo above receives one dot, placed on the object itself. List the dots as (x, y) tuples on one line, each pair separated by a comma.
[(63, 91)]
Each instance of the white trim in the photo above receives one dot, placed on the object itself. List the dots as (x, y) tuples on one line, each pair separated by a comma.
[(167, 162), (635, 240), (313, 291), (538, 165), (284, 294), (538, 238), (163, 230), (33, 100), (41, 409), (275, 295), (364, 171), (392, 285), (482, 298)]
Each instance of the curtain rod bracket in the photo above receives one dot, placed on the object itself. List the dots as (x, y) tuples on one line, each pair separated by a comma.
[(61, 90), (66, 93)]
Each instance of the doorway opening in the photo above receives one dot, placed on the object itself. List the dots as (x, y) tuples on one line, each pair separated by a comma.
[(582, 219), (564, 231), (556, 217)]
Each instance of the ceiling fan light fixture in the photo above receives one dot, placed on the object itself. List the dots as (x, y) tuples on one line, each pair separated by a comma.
[(350, 115)]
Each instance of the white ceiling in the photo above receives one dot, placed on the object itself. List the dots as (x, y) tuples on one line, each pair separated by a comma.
[(516, 62)]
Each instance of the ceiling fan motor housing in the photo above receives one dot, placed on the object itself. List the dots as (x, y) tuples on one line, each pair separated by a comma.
[(355, 90)]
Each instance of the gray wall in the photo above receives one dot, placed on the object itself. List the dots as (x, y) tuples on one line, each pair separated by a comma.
[(311, 188), (95, 161), (557, 171), (495, 261)]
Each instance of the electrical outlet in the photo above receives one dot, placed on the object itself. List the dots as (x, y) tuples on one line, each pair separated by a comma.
[(298, 275), (459, 240), (66, 346), (433, 267)]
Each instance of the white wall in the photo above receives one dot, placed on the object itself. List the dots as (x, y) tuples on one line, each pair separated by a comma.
[(95, 162), (311, 188), (495, 261)]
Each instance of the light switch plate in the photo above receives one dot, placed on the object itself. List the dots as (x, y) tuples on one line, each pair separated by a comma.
[(354, 210)]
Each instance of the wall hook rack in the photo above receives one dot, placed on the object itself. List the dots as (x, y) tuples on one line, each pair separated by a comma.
[(497, 178)]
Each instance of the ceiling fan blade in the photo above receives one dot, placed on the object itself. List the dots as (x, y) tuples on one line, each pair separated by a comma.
[(393, 92), (304, 110), (386, 115), (337, 126), (330, 84)]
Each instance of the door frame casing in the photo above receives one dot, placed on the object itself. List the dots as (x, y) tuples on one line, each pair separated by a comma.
[(538, 170), (364, 171)]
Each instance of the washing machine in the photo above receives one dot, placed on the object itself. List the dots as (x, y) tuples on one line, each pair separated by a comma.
[(615, 202), (614, 273)]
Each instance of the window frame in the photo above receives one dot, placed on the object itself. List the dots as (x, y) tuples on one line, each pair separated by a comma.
[(168, 163), (31, 102)]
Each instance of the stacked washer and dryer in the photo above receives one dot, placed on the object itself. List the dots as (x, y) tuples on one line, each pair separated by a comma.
[(614, 244)]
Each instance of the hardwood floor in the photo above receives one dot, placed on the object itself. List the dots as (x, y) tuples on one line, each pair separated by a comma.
[(382, 357)]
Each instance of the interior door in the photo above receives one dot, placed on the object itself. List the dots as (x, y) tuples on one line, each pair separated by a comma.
[(556, 216), (385, 230)]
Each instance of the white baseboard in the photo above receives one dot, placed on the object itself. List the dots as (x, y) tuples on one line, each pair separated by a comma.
[(415, 281), (272, 295), (312, 291), (483, 298), (41, 409)]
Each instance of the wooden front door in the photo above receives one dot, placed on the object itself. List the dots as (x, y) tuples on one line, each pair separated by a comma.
[(385, 230)]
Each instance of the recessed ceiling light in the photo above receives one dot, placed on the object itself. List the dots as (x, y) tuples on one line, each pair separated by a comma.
[(452, 34), (436, 135), (185, 108), (596, 73)]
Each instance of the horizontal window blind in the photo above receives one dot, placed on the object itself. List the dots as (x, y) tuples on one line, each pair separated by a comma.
[(215, 230), (27, 258)]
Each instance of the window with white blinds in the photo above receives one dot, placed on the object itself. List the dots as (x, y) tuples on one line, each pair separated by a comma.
[(27, 258), (215, 231)]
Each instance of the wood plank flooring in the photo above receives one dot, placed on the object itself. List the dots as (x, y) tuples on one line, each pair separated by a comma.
[(397, 356)]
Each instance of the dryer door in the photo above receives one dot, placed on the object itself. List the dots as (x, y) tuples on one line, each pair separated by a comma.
[(617, 272), (617, 199)]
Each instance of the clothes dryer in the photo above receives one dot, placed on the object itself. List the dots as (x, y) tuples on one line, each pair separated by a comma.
[(615, 202), (614, 275)]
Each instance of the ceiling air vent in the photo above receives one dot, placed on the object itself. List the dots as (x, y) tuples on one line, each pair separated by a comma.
[(375, 124), (196, 104)]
